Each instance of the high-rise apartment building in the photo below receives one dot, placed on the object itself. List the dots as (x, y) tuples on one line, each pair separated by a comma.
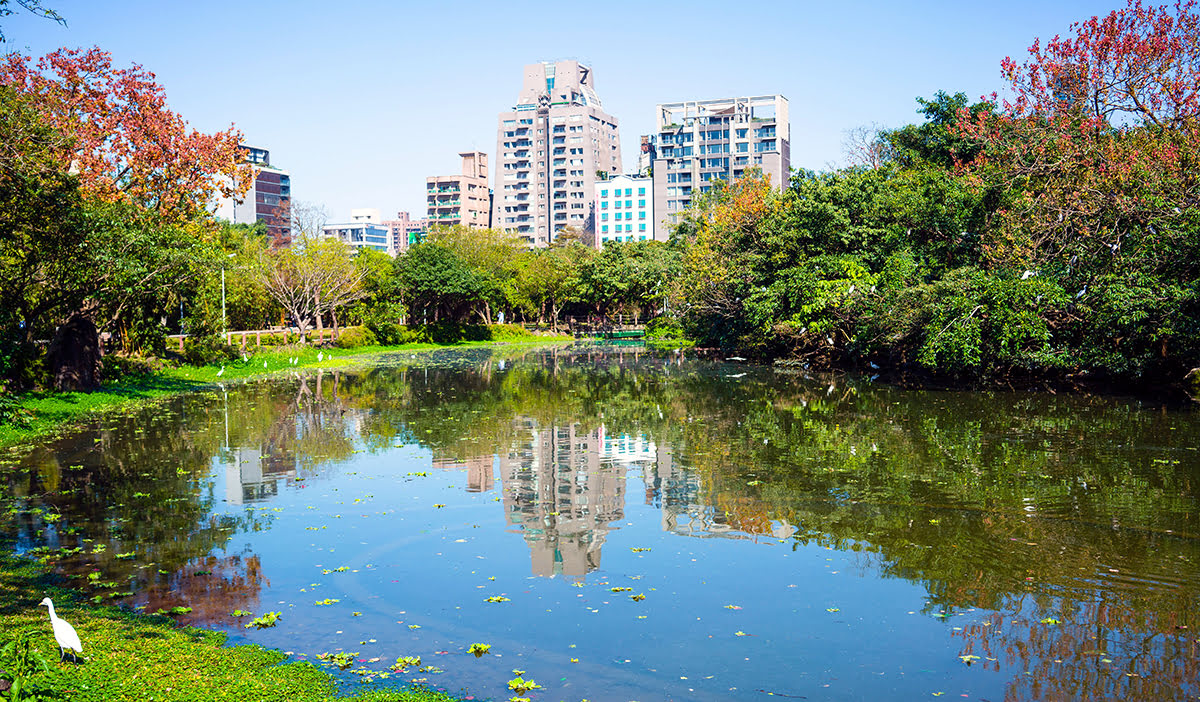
[(461, 199), (550, 147), (269, 199), (700, 141)]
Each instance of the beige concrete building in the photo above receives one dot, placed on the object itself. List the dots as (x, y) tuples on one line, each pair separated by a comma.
[(700, 141), (550, 147), (461, 199), (406, 231)]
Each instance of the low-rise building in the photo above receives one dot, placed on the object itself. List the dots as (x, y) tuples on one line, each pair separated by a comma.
[(624, 209), (362, 234)]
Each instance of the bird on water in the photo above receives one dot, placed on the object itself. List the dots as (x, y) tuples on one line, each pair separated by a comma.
[(64, 633)]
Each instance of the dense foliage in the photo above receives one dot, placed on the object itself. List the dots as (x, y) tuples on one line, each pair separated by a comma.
[(1054, 233)]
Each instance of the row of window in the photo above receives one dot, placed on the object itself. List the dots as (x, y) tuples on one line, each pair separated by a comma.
[(617, 215), (617, 192), (617, 228), (617, 204)]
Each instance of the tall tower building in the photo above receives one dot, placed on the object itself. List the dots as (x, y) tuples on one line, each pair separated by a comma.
[(550, 147), (700, 141)]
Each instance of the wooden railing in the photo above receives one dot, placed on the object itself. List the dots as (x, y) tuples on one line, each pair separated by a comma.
[(243, 339)]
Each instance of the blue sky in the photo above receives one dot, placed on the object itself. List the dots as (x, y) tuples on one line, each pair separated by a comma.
[(338, 90)]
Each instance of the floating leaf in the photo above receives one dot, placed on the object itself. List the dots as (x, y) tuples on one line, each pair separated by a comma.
[(497, 598), (479, 649), (520, 685)]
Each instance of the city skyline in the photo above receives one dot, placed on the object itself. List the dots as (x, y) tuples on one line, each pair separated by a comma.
[(335, 108)]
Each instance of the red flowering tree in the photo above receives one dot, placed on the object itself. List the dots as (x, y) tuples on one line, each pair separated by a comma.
[(1098, 147), (125, 144)]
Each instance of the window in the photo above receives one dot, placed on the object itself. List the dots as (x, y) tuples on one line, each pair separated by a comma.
[(641, 191), (628, 193), (641, 203), (642, 227), (617, 204), (641, 215), (604, 229), (603, 193), (628, 227), (603, 216), (629, 203), (604, 205)]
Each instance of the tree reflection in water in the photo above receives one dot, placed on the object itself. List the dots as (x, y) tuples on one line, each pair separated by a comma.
[(1072, 519)]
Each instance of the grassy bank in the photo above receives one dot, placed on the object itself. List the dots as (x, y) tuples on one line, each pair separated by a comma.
[(45, 413), (135, 657)]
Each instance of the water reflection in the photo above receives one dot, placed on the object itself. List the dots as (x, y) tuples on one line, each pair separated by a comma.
[(1060, 531)]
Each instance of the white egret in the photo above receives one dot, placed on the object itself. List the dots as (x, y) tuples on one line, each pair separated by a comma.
[(320, 356), (221, 372), (64, 633), (264, 364)]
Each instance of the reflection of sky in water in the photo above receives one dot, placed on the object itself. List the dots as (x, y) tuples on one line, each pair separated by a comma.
[(764, 566)]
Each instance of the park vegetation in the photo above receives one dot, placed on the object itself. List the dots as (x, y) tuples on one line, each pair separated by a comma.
[(1051, 232)]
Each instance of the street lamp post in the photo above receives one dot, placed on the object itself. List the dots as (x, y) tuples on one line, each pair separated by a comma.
[(224, 324)]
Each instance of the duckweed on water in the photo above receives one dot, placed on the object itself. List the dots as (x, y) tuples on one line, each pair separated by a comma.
[(138, 658)]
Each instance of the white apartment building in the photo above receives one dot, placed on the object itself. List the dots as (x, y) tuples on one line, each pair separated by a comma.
[(624, 210)]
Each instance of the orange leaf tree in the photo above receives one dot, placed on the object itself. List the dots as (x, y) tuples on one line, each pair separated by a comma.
[(125, 144), (1098, 148)]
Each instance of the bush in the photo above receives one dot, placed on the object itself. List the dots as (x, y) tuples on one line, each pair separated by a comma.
[(664, 327), (356, 337), (508, 332), (203, 350)]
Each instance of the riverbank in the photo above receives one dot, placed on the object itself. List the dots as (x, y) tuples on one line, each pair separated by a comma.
[(128, 656), (44, 413)]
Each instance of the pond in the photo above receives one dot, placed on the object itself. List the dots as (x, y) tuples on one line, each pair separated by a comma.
[(620, 524)]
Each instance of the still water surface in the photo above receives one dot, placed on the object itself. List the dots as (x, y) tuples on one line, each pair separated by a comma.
[(655, 527)]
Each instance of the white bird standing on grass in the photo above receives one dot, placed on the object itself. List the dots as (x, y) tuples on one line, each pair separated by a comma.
[(64, 633)]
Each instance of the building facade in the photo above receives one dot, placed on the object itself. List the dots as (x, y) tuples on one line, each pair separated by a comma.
[(550, 147), (624, 209), (362, 234), (269, 199), (405, 231), (461, 199), (701, 141)]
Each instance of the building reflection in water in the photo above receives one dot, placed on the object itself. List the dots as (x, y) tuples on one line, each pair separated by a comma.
[(562, 495), (253, 474), (481, 470)]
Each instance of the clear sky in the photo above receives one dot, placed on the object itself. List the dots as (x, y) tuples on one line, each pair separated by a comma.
[(361, 100)]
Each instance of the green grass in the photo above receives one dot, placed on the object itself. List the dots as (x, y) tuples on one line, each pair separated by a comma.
[(135, 657), (52, 411)]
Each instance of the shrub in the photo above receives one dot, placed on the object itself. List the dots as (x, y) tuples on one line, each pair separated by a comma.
[(507, 332), (664, 327), (203, 350), (356, 337)]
